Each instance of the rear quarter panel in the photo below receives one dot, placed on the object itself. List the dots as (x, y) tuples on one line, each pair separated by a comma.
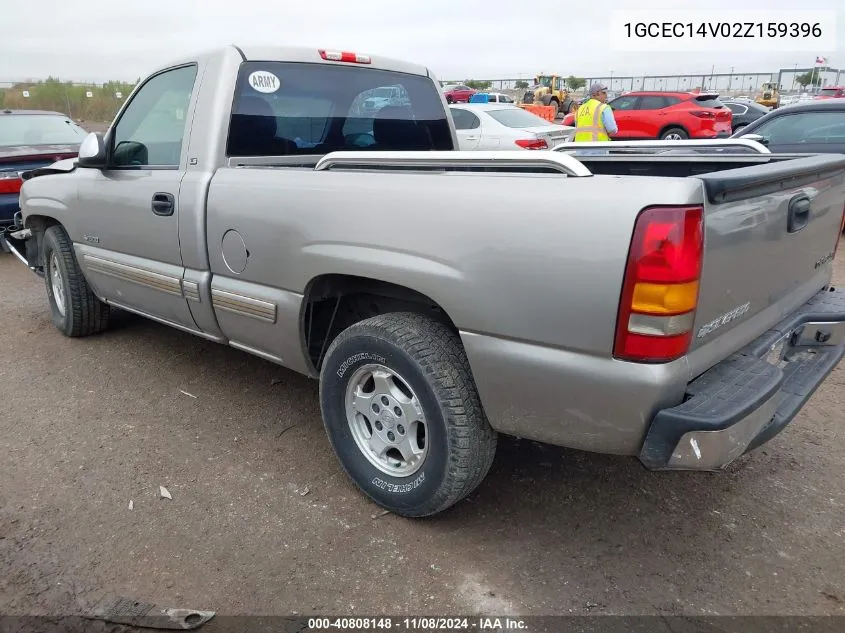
[(533, 258)]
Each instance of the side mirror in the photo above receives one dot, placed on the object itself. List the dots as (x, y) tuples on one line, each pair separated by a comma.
[(756, 137), (92, 152)]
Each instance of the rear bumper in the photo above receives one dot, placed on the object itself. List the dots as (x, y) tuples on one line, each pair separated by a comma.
[(750, 397), (9, 206), (710, 134)]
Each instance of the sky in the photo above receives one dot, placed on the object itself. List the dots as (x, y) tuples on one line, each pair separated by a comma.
[(99, 40)]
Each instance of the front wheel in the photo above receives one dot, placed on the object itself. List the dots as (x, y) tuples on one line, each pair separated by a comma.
[(402, 413), (674, 134), (74, 308)]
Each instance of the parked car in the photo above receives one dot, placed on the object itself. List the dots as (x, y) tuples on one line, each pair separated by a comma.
[(811, 126), (491, 97), (30, 139), (494, 126), (601, 310), (670, 116), (744, 112), (458, 93), (831, 92)]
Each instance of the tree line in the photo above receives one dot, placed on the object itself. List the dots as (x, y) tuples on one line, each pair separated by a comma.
[(68, 98)]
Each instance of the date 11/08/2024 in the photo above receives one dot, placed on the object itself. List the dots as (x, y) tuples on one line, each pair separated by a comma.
[(417, 625)]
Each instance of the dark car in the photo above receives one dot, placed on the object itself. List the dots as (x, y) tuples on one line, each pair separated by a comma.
[(30, 139), (744, 112), (810, 127)]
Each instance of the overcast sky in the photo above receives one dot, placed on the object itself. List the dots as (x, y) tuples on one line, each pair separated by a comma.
[(97, 40)]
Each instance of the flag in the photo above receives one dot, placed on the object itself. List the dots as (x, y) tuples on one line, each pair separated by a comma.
[(821, 60)]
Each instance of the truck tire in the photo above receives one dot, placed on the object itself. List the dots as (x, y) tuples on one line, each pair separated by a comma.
[(75, 310), (674, 134), (380, 373)]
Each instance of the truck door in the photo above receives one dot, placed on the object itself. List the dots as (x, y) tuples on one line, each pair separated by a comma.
[(128, 212)]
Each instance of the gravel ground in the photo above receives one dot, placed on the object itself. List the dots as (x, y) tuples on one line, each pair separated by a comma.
[(263, 521)]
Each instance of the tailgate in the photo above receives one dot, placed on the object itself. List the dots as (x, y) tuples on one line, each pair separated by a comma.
[(770, 235)]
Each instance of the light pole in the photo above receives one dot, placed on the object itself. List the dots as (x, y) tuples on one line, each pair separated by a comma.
[(611, 80), (730, 79)]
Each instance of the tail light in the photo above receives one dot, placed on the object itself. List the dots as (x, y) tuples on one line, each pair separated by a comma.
[(344, 56), (532, 143), (10, 182), (660, 289), (703, 114)]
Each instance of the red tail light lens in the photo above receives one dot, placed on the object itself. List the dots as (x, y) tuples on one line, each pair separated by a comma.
[(703, 114), (660, 289), (532, 143), (344, 56), (10, 183)]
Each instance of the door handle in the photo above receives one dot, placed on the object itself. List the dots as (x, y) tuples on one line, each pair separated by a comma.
[(799, 213), (163, 203)]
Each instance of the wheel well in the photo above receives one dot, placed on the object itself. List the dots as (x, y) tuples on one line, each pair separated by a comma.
[(666, 128), (332, 303), (38, 224)]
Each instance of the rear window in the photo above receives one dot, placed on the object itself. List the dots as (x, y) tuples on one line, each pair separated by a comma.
[(38, 129), (285, 109), (830, 92), (517, 118), (708, 101)]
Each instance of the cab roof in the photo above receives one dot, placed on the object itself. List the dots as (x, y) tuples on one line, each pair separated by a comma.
[(302, 54)]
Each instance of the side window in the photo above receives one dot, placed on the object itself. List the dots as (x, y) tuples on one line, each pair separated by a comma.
[(464, 120), (151, 129), (623, 103), (817, 127), (506, 99), (652, 103), (557, 83)]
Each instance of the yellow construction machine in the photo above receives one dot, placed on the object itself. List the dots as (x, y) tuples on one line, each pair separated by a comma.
[(550, 90)]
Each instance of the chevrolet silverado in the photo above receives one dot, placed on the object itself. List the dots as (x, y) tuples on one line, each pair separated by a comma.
[(677, 308)]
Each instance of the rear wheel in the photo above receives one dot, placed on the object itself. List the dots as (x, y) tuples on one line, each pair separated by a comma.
[(74, 308), (450, 100), (402, 413), (556, 105), (674, 134)]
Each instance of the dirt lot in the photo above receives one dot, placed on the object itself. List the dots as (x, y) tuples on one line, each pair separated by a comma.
[(262, 520)]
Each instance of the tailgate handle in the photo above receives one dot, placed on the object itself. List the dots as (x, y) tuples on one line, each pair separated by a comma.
[(799, 213)]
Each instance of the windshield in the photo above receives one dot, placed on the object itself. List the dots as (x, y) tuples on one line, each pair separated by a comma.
[(39, 129), (708, 101), (517, 117), (544, 81)]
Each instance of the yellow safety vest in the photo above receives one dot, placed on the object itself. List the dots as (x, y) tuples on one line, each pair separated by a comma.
[(588, 123)]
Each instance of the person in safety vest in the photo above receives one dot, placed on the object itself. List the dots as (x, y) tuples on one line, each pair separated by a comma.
[(594, 120)]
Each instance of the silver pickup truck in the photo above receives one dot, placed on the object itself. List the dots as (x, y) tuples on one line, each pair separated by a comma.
[(673, 307)]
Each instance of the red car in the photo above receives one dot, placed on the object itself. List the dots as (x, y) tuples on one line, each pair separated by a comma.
[(832, 92), (668, 115), (458, 93)]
